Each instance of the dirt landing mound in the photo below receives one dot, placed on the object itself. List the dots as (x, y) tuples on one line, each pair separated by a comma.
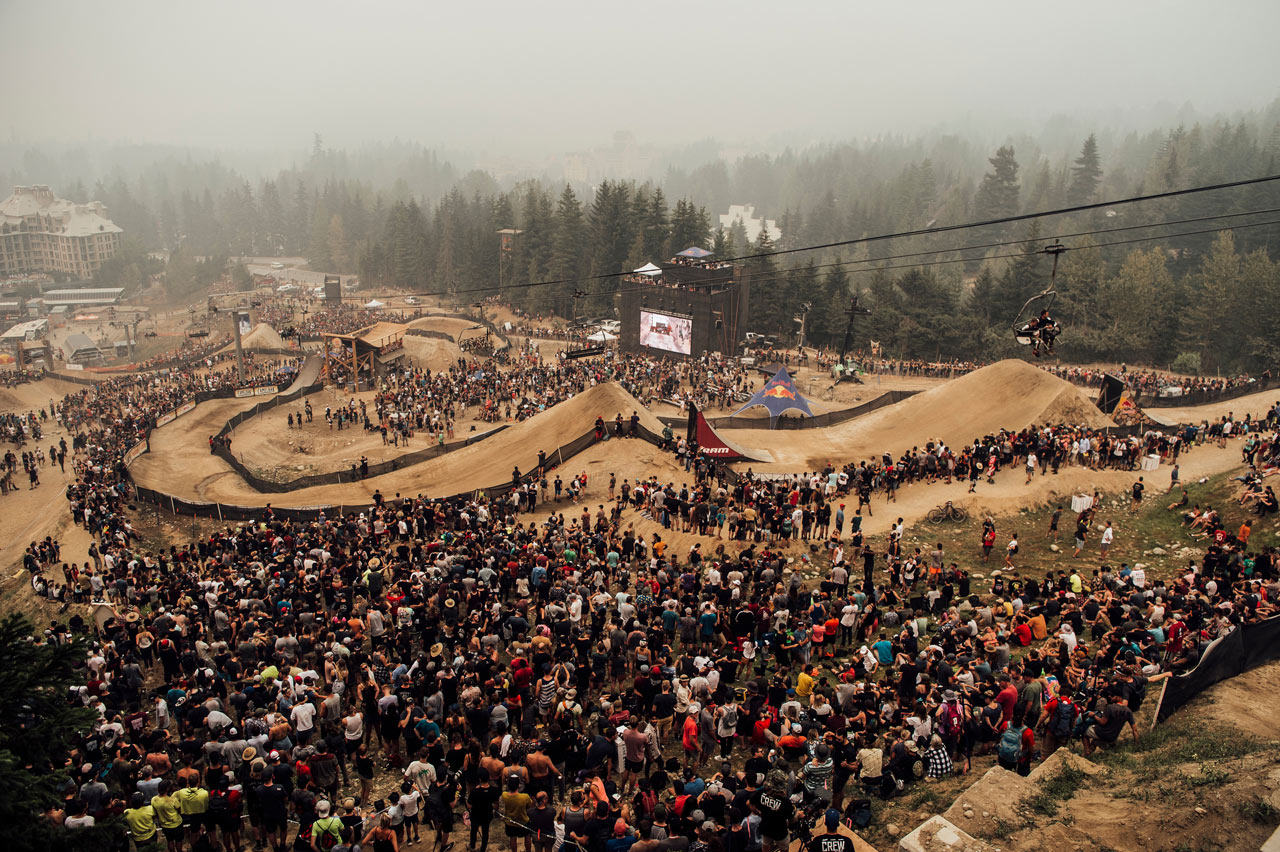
[(1009, 394), (432, 354), (262, 336)]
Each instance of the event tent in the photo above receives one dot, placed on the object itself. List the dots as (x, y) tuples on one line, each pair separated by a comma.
[(695, 252), (649, 268), (779, 394), (374, 303)]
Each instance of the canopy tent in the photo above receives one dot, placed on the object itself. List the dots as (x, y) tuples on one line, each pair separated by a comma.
[(649, 268), (602, 337), (374, 303), (695, 252), (779, 394)]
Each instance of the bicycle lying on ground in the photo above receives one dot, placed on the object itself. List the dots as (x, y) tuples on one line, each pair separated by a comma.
[(948, 512)]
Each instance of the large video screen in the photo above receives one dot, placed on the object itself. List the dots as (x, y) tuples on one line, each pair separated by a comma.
[(663, 331)]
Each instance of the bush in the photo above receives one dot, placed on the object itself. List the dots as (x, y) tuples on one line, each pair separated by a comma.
[(1187, 363)]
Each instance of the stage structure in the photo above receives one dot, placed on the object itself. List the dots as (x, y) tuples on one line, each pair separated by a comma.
[(684, 307), (360, 357), (779, 395)]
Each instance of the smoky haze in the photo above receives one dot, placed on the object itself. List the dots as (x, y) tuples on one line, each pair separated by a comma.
[(535, 79)]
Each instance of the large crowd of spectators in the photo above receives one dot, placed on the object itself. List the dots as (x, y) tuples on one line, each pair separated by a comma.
[(437, 669)]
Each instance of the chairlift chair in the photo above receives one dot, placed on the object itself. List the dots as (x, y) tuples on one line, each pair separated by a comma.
[(1024, 332)]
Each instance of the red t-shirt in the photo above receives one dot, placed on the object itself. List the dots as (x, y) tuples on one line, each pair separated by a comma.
[(690, 733), (1006, 698)]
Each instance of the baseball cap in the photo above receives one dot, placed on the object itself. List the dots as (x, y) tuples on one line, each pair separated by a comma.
[(832, 817)]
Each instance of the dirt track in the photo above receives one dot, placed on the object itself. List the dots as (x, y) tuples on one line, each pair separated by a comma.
[(180, 463)]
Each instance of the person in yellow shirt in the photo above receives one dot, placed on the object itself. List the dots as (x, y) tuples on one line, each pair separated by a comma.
[(1077, 584), (141, 819), (169, 815), (805, 682), (194, 802)]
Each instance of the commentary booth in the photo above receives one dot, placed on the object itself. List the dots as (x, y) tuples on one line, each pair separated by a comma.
[(685, 306), (360, 357)]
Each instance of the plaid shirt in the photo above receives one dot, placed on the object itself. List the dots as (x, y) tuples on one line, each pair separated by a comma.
[(937, 763)]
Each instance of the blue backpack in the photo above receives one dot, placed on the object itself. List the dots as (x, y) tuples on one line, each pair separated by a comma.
[(1010, 748), (1064, 718)]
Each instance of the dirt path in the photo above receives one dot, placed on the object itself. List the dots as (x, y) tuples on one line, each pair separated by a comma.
[(28, 515), (180, 463)]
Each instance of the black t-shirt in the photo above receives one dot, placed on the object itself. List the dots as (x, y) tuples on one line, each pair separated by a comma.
[(272, 800), (1115, 717), (664, 705), (1138, 488), (830, 843), (775, 813)]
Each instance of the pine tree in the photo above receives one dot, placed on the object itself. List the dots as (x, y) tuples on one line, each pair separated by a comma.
[(1086, 174), (690, 227), (768, 288), (568, 254), (998, 193), (40, 729)]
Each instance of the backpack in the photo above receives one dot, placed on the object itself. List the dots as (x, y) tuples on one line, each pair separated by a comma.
[(1010, 748), (327, 831), (1064, 717), (952, 721), (731, 716)]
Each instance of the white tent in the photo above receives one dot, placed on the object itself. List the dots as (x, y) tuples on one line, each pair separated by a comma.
[(648, 269), (602, 337), (374, 303)]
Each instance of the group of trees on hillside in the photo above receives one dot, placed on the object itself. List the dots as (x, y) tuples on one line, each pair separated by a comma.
[(425, 228)]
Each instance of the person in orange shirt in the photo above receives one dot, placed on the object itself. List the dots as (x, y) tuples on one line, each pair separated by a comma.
[(1243, 534), (689, 735)]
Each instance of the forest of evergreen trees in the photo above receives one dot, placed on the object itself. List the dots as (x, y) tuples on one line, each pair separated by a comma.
[(402, 218)]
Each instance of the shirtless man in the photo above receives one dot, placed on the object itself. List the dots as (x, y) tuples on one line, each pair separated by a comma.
[(542, 771), (493, 764)]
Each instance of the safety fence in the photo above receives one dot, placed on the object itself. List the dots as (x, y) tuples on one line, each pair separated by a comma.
[(816, 422), (354, 474), (1245, 648), (233, 512), (1203, 397), (426, 332), (63, 376)]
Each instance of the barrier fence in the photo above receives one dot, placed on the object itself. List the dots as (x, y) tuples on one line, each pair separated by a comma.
[(234, 512), (1245, 648), (816, 422), (1196, 397), (337, 477)]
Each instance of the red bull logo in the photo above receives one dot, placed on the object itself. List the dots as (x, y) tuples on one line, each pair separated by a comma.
[(780, 392)]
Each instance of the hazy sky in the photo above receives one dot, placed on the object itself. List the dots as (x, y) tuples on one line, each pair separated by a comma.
[(546, 77)]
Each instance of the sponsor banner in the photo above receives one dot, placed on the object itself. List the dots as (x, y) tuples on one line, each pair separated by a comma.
[(265, 391), (74, 366), (241, 393), (165, 419), (135, 451), (184, 408)]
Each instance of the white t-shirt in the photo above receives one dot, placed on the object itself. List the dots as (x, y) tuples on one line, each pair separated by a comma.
[(304, 716)]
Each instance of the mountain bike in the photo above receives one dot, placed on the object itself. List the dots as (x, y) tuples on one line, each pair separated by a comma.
[(948, 512)]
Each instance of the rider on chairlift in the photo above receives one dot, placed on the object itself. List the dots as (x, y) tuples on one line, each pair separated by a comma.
[(1042, 330)]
